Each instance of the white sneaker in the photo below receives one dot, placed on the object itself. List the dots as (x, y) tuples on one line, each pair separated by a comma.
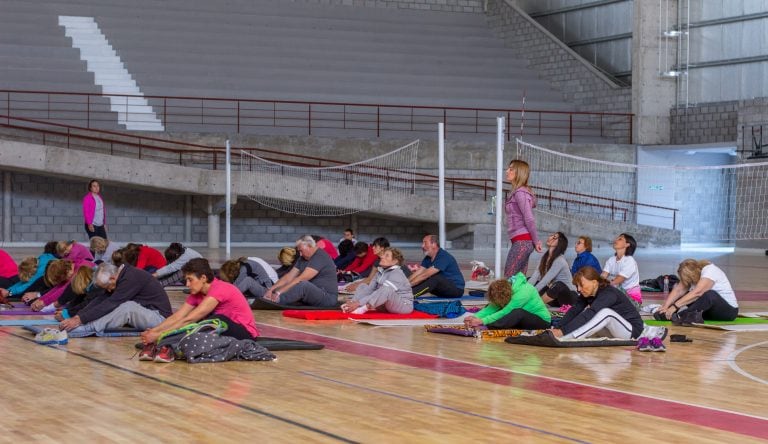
[(652, 331), (51, 336)]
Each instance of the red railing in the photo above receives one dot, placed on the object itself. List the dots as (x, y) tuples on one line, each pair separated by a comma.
[(92, 110), (204, 156)]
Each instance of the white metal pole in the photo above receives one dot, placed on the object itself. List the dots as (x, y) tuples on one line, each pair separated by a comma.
[(441, 180), (229, 202), (499, 191)]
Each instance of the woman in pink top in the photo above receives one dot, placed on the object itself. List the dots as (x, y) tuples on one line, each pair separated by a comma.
[(9, 271), (521, 223), (209, 298), (94, 211)]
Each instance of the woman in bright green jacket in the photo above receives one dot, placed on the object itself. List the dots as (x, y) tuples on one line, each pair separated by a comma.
[(514, 304)]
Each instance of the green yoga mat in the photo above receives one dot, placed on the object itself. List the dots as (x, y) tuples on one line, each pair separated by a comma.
[(737, 321)]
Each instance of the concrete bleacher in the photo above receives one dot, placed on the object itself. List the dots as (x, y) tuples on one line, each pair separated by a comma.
[(275, 50)]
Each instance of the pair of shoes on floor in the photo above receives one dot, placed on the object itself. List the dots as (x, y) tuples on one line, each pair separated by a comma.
[(652, 339), (687, 318), (150, 352), (51, 336), (650, 345)]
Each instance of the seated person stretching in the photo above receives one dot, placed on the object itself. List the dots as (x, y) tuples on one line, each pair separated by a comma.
[(514, 304), (438, 273), (390, 289), (600, 306)]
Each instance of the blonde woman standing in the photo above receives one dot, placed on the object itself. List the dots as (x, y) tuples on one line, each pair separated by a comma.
[(521, 223)]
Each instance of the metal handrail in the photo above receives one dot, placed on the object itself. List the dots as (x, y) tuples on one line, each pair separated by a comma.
[(213, 156), (244, 114)]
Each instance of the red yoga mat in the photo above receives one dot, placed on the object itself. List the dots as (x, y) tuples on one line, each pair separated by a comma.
[(328, 315)]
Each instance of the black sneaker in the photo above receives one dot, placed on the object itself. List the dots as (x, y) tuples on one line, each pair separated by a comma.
[(690, 317), (659, 316)]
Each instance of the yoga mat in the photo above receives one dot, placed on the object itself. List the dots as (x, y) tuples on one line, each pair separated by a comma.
[(263, 304), (25, 322), (21, 312), (409, 322), (328, 315), (467, 301), (276, 344), (547, 339), (118, 332), (741, 327), (737, 321), (754, 314), (478, 332)]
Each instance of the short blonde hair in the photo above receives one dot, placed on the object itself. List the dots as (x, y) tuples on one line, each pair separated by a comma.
[(99, 244), (689, 272), (287, 256), (28, 268), (61, 246)]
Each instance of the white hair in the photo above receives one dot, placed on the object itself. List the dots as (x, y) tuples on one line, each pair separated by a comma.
[(306, 240), (104, 272)]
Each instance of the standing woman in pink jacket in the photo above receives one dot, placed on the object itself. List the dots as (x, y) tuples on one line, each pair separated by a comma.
[(94, 211), (521, 223)]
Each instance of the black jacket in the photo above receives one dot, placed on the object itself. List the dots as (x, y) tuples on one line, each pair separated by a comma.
[(606, 297), (133, 284)]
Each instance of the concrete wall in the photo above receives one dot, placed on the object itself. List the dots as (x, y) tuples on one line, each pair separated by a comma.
[(704, 123), (469, 6), (704, 198), (579, 81), (49, 208)]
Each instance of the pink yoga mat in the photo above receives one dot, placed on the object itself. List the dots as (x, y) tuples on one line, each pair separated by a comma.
[(328, 315)]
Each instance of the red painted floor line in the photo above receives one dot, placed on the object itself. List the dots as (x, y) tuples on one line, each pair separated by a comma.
[(677, 411)]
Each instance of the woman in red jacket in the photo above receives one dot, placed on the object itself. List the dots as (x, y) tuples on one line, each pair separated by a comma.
[(365, 257)]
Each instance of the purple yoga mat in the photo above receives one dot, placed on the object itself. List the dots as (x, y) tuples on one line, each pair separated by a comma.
[(20, 309)]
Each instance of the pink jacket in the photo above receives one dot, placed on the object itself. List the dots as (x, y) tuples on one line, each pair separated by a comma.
[(519, 210), (89, 208), (79, 253), (8, 266)]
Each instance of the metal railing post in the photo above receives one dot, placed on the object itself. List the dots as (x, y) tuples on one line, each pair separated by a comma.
[(309, 120), (570, 127)]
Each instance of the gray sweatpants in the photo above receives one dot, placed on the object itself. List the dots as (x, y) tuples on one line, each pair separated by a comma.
[(392, 301), (307, 293), (128, 313)]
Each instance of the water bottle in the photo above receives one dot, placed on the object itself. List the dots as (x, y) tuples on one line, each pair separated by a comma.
[(666, 284)]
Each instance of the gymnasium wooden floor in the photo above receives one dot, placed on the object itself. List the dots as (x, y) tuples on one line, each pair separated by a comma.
[(386, 384)]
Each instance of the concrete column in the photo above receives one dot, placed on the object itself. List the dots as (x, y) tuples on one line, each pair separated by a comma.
[(214, 222), (652, 95), (188, 219), (6, 206)]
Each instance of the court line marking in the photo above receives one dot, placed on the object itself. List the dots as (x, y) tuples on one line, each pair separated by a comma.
[(712, 417), (732, 363), (441, 406), (192, 390)]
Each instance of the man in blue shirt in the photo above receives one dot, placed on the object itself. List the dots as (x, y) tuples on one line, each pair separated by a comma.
[(438, 273)]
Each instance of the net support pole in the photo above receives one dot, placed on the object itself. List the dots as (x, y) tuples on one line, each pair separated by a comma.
[(499, 192), (441, 180), (228, 217)]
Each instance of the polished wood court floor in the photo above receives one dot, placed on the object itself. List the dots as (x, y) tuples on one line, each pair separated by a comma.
[(401, 384)]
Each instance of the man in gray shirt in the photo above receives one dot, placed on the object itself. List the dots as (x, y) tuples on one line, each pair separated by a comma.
[(312, 281)]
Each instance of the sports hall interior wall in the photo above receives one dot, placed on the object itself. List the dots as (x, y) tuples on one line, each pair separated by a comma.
[(47, 208)]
